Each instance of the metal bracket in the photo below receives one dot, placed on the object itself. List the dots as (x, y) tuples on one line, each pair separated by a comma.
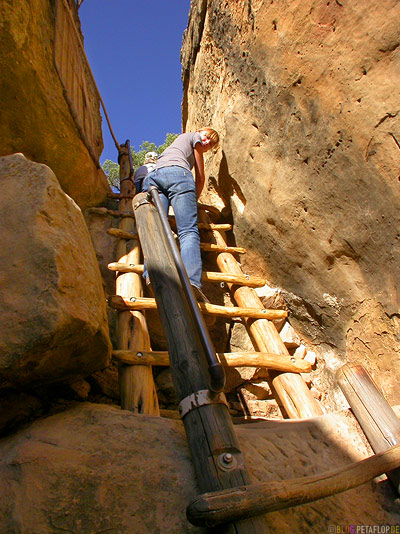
[(200, 398), (227, 461), (140, 203)]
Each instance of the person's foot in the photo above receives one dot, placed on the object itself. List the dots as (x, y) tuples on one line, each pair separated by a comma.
[(200, 297)]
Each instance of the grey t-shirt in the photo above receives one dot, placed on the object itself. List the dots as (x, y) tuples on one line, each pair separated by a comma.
[(180, 152)]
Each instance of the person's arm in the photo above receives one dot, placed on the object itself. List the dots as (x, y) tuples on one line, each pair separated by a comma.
[(199, 168)]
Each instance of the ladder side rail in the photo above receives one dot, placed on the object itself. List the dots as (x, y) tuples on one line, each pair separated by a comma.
[(290, 388), (137, 388)]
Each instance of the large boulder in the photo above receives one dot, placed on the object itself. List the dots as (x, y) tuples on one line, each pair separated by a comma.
[(52, 305), (305, 97), (96, 468)]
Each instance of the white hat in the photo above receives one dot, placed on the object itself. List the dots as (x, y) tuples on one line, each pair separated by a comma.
[(151, 157)]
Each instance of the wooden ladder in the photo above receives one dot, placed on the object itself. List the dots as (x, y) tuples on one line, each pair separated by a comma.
[(133, 352), (233, 502)]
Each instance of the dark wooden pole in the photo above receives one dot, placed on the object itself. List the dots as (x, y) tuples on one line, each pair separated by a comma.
[(376, 417), (217, 458)]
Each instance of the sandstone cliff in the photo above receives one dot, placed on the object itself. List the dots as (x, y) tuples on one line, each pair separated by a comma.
[(305, 97), (306, 172), (50, 109)]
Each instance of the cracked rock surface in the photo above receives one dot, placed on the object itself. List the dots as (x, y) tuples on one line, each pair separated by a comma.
[(96, 468), (305, 98)]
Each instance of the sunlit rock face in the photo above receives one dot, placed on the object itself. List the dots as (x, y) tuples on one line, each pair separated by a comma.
[(305, 97), (48, 104), (52, 306)]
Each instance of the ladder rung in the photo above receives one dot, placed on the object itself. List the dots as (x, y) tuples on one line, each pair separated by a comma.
[(126, 267), (277, 362), (205, 226), (211, 209), (209, 247), (240, 502), (213, 226), (207, 276), (112, 213), (143, 303), (116, 232), (206, 207), (240, 280)]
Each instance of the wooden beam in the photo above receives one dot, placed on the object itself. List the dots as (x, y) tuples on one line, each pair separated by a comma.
[(297, 401), (233, 504), (227, 359), (207, 276), (376, 417), (142, 303)]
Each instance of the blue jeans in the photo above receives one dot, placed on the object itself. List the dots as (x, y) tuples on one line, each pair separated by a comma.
[(177, 188)]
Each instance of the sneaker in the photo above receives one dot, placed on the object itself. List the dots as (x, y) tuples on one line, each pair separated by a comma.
[(200, 297)]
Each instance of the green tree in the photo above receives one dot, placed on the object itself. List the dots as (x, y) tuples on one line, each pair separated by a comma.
[(111, 169)]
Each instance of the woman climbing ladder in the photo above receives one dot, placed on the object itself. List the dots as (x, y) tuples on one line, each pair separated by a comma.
[(178, 188)]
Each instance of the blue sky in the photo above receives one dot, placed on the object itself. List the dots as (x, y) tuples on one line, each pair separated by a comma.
[(133, 49)]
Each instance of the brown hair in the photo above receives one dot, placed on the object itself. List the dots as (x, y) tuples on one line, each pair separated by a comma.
[(212, 135)]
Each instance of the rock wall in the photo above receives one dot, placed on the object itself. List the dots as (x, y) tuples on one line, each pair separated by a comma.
[(305, 97), (45, 115)]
